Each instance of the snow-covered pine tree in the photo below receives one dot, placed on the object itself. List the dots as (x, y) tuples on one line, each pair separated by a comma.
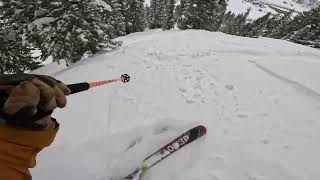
[(233, 24), (15, 57), (202, 14), (157, 12), (15, 53), (117, 19), (257, 27), (306, 28), (221, 10), (148, 15), (181, 11), (281, 24), (62, 29), (169, 16), (271, 24), (152, 10), (240, 22), (135, 19), (78, 27), (228, 24), (162, 11), (178, 11)]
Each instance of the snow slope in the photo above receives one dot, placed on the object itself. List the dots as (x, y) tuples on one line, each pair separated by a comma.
[(259, 98)]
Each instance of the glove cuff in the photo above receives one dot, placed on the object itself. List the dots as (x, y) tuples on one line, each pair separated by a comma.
[(17, 121)]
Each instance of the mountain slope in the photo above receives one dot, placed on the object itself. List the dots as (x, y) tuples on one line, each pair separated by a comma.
[(262, 7), (259, 99)]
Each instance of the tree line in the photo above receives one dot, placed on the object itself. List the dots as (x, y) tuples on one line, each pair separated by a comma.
[(302, 28), (63, 29)]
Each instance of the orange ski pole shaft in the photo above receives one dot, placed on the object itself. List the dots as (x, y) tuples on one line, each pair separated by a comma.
[(80, 87)]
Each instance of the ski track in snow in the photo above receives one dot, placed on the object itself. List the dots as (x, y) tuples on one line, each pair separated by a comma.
[(307, 91), (260, 124)]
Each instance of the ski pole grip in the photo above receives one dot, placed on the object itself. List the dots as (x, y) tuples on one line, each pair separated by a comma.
[(76, 88)]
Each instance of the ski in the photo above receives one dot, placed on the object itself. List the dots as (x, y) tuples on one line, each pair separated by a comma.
[(175, 145)]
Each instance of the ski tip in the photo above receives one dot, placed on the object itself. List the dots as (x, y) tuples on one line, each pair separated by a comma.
[(202, 130)]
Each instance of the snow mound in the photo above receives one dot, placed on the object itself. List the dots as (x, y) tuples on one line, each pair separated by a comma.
[(259, 99)]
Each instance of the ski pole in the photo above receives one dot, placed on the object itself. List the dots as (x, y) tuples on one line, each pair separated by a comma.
[(80, 87)]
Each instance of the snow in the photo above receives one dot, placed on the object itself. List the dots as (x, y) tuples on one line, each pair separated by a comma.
[(241, 7), (40, 22), (17, 11), (290, 3), (103, 4), (258, 98), (83, 38)]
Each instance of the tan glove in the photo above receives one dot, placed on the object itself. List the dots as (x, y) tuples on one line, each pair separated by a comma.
[(27, 101)]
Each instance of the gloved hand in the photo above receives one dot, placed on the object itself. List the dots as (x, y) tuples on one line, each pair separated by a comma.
[(27, 101)]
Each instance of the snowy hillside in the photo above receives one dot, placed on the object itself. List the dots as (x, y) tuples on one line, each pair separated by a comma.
[(259, 99), (262, 7)]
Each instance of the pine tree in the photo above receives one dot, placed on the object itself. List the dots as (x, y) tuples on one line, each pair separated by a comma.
[(228, 23), (15, 57), (152, 9), (135, 16), (79, 28), (233, 24), (257, 27), (306, 28), (241, 21), (202, 14), (117, 19), (182, 10), (178, 11), (156, 14), (148, 16), (62, 29), (15, 54), (272, 23), (221, 10), (163, 12), (169, 16), (281, 23)]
